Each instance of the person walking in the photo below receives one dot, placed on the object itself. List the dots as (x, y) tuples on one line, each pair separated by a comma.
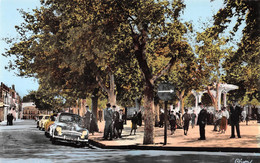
[(8, 119), (224, 120), (243, 115), (134, 123), (193, 118), (179, 120), (87, 118), (121, 123), (11, 119), (100, 115), (235, 112), (139, 116), (161, 117), (247, 119), (93, 124), (202, 121), (108, 116), (217, 120), (172, 121), (186, 121)]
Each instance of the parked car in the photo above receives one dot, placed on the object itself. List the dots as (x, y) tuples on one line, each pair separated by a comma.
[(38, 120), (69, 127), (48, 123), (42, 121)]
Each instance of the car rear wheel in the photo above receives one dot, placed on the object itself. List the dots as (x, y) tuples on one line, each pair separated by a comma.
[(47, 134)]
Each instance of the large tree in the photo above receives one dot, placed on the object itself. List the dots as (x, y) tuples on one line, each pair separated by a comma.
[(212, 53), (74, 44), (242, 66)]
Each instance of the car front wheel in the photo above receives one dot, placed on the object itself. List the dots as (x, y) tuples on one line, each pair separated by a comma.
[(53, 141)]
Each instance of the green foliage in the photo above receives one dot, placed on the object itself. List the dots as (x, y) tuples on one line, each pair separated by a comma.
[(242, 66), (189, 101), (247, 101), (77, 45)]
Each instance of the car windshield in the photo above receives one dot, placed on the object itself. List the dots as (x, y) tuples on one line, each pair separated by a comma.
[(47, 117), (70, 118)]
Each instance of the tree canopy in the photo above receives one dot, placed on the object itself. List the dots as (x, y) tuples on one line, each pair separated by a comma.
[(242, 66), (124, 48)]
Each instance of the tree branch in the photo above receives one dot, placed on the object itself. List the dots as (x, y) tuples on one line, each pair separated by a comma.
[(165, 69), (101, 84)]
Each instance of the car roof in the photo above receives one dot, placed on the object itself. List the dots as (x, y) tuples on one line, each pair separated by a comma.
[(69, 114)]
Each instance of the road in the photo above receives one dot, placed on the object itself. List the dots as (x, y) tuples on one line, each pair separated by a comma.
[(23, 142)]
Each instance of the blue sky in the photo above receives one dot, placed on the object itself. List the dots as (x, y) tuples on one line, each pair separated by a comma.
[(196, 11), (9, 17)]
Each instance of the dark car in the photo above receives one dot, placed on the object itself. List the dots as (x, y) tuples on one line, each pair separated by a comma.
[(69, 127)]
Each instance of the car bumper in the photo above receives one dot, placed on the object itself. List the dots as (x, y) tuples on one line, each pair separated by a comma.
[(70, 139)]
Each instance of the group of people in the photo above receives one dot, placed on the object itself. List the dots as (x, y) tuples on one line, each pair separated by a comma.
[(114, 122), (221, 120), (10, 118), (222, 117), (175, 120)]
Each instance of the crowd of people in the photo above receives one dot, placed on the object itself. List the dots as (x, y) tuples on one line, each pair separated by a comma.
[(115, 120), (220, 120)]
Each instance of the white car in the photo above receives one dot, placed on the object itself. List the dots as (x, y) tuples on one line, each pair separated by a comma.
[(69, 128)]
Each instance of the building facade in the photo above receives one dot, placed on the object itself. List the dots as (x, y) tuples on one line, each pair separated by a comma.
[(29, 110), (10, 102)]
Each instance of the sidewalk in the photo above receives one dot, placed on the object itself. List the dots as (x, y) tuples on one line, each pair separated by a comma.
[(250, 141), (4, 123)]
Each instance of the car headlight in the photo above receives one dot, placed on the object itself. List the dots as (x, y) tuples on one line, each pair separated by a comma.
[(84, 135), (58, 129)]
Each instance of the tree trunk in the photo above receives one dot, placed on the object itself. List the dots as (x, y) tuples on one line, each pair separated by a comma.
[(139, 41), (111, 93), (94, 101), (156, 110), (82, 109), (214, 99), (75, 111), (112, 98), (148, 115), (111, 90), (182, 101)]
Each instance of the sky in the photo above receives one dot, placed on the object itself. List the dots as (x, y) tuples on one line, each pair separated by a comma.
[(196, 11)]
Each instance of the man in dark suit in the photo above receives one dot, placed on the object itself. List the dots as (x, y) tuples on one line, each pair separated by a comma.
[(108, 116), (235, 113), (202, 121), (116, 122)]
